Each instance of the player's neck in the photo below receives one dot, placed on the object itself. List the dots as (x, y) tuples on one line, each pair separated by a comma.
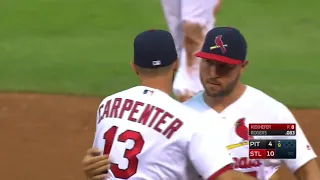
[(220, 103), (158, 83)]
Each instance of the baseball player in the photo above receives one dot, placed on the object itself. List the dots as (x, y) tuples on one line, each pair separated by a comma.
[(223, 62), (148, 134), (189, 21)]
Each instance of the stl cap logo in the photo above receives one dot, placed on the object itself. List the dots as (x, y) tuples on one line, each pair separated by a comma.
[(219, 44)]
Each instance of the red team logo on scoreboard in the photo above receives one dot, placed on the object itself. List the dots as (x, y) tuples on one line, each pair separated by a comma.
[(273, 148)]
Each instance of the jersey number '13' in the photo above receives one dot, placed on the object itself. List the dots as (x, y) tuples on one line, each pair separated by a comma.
[(130, 154)]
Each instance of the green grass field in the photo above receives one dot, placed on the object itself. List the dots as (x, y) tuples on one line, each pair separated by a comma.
[(85, 46)]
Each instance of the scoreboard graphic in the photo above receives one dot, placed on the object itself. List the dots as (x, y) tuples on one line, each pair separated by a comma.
[(272, 129), (272, 148)]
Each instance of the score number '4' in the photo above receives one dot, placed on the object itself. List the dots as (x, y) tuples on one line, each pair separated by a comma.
[(130, 154)]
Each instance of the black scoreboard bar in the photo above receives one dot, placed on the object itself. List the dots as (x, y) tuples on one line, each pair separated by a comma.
[(272, 149), (272, 132)]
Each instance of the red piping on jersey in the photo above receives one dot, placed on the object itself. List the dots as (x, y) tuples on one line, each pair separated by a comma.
[(221, 171)]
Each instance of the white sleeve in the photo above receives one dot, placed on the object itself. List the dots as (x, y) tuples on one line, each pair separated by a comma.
[(304, 151), (208, 152), (95, 132)]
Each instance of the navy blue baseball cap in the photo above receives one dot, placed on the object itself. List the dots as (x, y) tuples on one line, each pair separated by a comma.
[(154, 49), (224, 44)]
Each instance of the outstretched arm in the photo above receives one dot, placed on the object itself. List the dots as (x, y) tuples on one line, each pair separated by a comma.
[(309, 171)]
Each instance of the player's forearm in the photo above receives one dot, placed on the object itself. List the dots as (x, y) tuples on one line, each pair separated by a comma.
[(309, 171), (233, 174), (217, 8), (309, 176)]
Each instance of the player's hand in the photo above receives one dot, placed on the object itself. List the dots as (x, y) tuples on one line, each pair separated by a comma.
[(95, 165)]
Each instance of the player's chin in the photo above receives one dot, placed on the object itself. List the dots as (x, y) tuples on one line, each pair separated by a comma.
[(213, 92)]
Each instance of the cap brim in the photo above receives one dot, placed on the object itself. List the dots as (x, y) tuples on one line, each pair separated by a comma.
[(219, 58)]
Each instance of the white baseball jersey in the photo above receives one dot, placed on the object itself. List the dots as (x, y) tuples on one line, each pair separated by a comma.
[(197, 11), (255, 106), (200, 11), (151, 136)]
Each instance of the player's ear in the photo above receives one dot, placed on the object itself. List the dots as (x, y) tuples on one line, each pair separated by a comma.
[(133, 66), (245, 63), (243, 66)]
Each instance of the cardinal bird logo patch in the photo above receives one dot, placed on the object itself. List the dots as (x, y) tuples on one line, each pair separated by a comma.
[(219, 44), (242, 130)]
